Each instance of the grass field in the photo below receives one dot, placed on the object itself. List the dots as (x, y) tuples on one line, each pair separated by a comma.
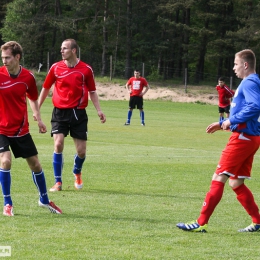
[(138, 183)]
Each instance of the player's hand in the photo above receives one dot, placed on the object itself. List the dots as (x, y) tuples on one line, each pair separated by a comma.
[(226, 124), (102, 117), (42, 127), (213, 128), (34, 117)]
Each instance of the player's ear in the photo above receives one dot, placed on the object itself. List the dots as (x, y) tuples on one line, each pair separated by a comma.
[(17, 56)]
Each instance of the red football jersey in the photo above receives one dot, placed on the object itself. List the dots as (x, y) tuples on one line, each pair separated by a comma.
[(13, 103), (137, 85), (224, 93), (71, 84)]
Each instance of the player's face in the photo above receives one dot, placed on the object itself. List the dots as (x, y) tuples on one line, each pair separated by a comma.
[(239, 67), (66, 51), (10, 62), (137, 74), (221, 83)]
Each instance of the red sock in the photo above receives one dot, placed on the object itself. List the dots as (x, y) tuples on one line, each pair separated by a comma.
[(246, 199), (211, 201)]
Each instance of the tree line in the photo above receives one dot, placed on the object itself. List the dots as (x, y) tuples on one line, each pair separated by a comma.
[(168, 36)]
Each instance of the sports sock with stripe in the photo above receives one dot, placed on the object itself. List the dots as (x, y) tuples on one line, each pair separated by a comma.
[(78, 162), (57, 166), (129, 115), (142, 117), (5, 179), (39, 181)]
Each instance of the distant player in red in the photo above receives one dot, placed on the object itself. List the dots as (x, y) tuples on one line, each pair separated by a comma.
[(224, 94), (16, 85), (135, 86), (73, 83)]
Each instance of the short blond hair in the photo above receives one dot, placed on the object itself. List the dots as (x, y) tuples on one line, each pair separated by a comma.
[(248, 56)]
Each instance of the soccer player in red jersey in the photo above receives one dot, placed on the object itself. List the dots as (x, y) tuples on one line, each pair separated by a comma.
[(73, 82), (135, 86), (16, 85), (236, 160), (224, 96)]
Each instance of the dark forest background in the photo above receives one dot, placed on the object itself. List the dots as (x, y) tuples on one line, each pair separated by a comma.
[(166, 37)]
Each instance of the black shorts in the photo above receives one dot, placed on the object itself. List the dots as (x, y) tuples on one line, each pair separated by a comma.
[(224, 109), (73, 121), (21, 146), (136, 101)]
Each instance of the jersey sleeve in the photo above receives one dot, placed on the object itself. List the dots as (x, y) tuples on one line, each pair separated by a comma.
[(89, 80), (145, 82), (129, 82), (32, 91), (50, 78)]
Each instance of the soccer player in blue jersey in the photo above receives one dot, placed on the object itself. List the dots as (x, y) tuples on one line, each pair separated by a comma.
[(235, 163)]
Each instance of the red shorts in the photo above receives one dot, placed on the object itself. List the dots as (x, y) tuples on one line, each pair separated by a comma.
[(237, 158)]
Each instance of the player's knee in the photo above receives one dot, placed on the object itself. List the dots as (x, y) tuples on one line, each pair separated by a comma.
[(5, 163)]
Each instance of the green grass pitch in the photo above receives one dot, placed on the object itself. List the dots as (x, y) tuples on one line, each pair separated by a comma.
[(138, 183)]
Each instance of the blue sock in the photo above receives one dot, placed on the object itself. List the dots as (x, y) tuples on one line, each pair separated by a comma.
[(40, 183), (221, 118), (129, 115), (5, 179), (57, 166), (78, 162), (142, 117)]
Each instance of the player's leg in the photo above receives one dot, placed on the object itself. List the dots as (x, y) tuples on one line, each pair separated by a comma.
[(248, 146), (79, 159), (38, 178), (140, 107), (228, 162), (227, 110), (25, 148), (40, 183), (221, 111), (246, 199), (211, 200), (130, 111), (5, 174), (78, 131), (58, 161), (60, 128), (5, 179)]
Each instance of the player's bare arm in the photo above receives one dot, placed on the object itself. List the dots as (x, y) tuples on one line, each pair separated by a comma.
[(37, 116), (128, 87), (146, 89), (212, 128), (44, 93), (94, 98)]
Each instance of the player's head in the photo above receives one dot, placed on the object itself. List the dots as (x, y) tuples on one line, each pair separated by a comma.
[(137, 73), (68, 49), (221, 81), (14, 47), (247, 56), (72, 44), (244, 63)]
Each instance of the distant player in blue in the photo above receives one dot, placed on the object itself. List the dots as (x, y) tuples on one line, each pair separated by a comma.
[(236, 160)]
